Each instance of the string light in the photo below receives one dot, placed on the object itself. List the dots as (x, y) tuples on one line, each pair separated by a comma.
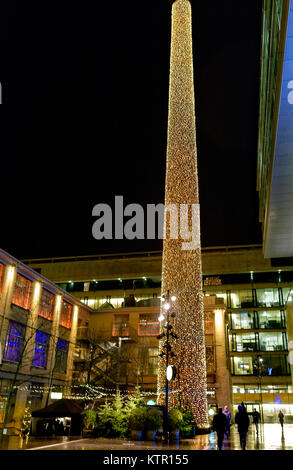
[(182, 273)]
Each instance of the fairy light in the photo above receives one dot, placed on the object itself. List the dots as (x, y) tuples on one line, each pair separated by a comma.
[(182, 273)]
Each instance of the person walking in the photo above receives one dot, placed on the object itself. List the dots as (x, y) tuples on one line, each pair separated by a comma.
[(220, 426), (227, 413), (242, 420), (256, 419), (281, 419)]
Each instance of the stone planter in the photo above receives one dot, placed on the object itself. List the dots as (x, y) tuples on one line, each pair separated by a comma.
[(151, 435), (136, 435)]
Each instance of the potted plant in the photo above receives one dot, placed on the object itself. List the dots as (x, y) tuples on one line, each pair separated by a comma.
[(153, 423), (174, 419), (89, 422), (137, 423), (187, 426)]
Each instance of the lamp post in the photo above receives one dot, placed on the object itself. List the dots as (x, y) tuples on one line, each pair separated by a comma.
[(167, 346), (260, 363)]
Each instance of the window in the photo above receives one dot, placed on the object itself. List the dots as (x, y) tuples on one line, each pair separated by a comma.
[(120, 325), (268, 297), (153, 361), (271, 341), (270, 319), (61, 355), (41, 348), (242, 320), (66, 315), (1, 276), (13, 343), (21, 293), (242, 365), (243, 342), (148, 325), (46, 305)]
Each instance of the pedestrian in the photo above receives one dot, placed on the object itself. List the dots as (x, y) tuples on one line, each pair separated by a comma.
[(256, 419), (227, 413), (242, 420), (281, 419), (220, 426)]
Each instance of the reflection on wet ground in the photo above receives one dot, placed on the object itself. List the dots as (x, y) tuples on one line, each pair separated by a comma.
[(270, 437)]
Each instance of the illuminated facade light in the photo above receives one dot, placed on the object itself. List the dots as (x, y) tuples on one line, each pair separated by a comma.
[(181, 270)]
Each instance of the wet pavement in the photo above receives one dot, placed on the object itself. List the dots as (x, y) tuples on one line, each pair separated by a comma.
[(270, 437)]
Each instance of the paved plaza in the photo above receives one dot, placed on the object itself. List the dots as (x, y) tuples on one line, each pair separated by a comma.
[(270, 437)]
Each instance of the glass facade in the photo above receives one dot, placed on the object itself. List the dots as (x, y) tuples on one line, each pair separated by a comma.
[(14, 341)]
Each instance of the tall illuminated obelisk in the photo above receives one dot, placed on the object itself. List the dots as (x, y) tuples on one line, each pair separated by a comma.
[(182, 273)]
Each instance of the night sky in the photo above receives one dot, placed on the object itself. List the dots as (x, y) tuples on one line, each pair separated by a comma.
[(84, 118)]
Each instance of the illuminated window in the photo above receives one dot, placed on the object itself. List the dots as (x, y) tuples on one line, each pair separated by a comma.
[(41, 348), (46, 305), (1, 276), (66, 315), (21, 293), (13, 343), (61, 356), (148, 325), (120, 325)]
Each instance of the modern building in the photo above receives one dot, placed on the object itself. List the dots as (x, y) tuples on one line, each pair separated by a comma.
[(275, 138), (249, 290), (38, 327)]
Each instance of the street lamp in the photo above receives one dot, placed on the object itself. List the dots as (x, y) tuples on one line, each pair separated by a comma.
[(260, 364), (170, 370)]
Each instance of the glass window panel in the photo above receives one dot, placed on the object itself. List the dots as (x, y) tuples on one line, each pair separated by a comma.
[(41, 349), (21, 292), (242, 365), (120, 325), (46, 305), (148, 325), (243, 342), (242, 320), (66, 315), (61, 355), (267, 297), (242, 299), (13, 342), (269, 319), (271, 341)]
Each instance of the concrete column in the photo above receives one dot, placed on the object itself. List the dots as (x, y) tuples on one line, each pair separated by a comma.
[(5, 304), (71, 348), (223, 393), (30, 334), (53, 343)]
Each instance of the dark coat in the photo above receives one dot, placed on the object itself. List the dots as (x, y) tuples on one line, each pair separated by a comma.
[(220, 423), (242, 419)]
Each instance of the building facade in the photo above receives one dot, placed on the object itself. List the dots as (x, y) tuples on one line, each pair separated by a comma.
[(250, 353), (38, 326)]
